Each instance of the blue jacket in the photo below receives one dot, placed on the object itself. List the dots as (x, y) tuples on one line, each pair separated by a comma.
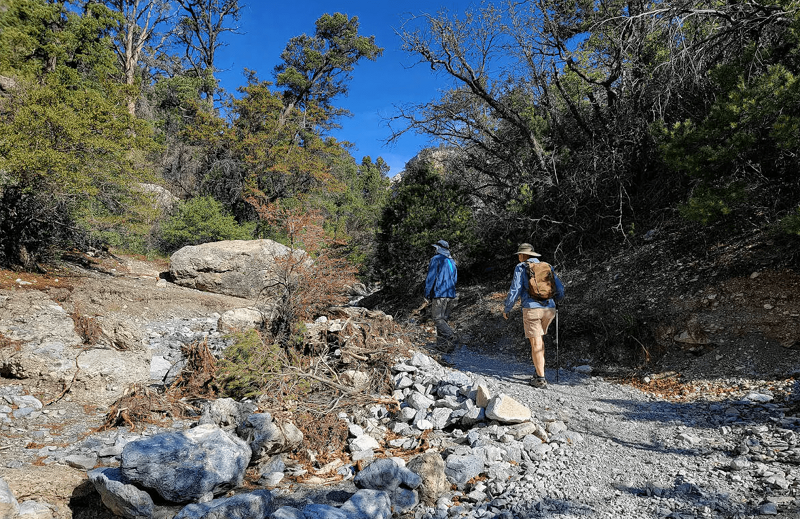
[(519, 289), (442, 277)]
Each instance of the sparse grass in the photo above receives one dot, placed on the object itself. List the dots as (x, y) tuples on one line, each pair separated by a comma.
[(13, 280)]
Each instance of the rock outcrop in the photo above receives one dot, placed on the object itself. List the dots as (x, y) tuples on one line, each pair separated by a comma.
[(50, 349)]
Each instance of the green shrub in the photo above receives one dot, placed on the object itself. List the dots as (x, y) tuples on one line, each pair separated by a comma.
[(709, 205), (202, 220), (253, 367), (791, 223)]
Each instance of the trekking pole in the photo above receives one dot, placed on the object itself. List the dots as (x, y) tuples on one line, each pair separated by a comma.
[(558, 364)]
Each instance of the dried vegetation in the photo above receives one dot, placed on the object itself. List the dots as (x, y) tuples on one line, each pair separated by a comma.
[(87, 327), (6, 342), (341, 364)]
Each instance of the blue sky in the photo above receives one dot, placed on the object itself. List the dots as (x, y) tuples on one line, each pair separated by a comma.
[(376, 86)]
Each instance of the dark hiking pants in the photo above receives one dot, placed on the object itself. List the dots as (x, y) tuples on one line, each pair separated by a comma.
[(441, 307)]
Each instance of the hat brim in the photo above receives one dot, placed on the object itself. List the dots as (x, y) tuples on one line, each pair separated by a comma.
[(531, 253)]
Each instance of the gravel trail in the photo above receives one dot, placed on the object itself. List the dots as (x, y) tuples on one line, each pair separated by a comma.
[(641, 456)]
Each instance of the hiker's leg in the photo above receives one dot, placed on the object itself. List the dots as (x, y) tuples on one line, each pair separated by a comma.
[(451, 304), (532, 322), (438, 313), (548, 314), (537, 354), (537, 343)]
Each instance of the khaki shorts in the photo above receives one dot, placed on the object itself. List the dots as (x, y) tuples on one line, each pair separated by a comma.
[(537, 320)]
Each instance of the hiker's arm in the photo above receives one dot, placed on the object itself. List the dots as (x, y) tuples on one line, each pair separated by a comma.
[(430, 280), (514, 291)]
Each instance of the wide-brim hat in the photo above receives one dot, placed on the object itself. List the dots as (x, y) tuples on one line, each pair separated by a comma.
[(527, 249), (441, 243)]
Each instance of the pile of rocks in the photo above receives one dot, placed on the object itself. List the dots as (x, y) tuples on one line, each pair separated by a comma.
[(477, 443), (24, 405)]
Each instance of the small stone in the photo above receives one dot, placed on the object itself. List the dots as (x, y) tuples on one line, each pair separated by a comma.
[(768, 509), (363, 443), (505, 409), (78, 461), (482, 396)]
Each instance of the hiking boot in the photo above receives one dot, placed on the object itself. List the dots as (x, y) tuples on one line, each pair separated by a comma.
[(539, 382)]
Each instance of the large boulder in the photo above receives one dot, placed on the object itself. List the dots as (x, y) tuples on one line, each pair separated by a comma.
[(187, 466), (165, 201), (33, 509), (120, 496), (241, 268), (368, 504), (240, 319), (226, 413)]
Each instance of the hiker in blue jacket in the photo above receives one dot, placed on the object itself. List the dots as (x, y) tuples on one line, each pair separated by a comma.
[(440, 290), (536, 315)]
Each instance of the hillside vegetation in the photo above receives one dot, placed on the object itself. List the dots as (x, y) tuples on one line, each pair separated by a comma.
[(588, 129)]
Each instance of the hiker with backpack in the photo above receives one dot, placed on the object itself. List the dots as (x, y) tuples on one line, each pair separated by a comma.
[(440, 290), (537, 286)]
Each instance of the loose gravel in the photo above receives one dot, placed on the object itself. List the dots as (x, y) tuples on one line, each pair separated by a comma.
[(642, 456)]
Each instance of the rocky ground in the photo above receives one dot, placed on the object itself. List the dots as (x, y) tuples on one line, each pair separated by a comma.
[(702, 420)]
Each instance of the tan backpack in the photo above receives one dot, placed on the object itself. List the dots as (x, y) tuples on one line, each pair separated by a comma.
[(541, 281)]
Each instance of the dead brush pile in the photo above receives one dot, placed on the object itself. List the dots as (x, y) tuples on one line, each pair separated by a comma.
[(141, 404), (351, 356), (197, 379), (87, 327), (6, 342), (349, 369), (341, 364)]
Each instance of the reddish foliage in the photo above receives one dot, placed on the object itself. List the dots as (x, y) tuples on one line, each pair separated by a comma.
[(314, 276)]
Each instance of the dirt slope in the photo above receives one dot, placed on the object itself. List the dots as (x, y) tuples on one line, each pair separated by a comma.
[(698, 304)]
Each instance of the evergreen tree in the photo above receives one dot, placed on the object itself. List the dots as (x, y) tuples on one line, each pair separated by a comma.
[(70, 153), (423, 208)]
